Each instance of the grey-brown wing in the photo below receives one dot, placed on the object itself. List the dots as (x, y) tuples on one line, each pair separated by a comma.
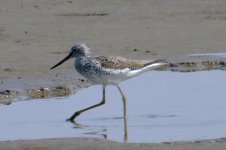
[(121, 63)]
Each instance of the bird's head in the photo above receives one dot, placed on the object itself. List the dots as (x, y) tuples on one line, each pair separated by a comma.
[(78, 50)]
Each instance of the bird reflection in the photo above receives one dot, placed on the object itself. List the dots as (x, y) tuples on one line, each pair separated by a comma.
[(103, 131)]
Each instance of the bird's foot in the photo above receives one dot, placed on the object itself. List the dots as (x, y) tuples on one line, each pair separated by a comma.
[(72, 118)]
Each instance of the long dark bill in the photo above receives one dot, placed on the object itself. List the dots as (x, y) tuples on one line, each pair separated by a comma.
[(62, 61)]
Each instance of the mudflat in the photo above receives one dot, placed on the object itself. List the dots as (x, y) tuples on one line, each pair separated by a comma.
[(34, 35)]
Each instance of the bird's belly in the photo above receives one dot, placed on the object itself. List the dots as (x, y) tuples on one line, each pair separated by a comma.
[(105, 76), (104, 79)]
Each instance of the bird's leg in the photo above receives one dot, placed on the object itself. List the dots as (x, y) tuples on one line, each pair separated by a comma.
[(76, 114), (125, 130), (124, 101), (124, 114)]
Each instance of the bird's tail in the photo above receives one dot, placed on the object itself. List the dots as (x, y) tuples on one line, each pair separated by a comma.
[(147, 67), (156, 62)]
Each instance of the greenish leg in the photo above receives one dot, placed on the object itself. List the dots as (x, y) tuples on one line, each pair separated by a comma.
[(124, 114), (124, 101)]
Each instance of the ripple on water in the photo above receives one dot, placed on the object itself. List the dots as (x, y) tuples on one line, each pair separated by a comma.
[(162, 106)]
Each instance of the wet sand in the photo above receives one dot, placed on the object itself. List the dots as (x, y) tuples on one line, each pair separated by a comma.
[(36, 35), (92, 143)]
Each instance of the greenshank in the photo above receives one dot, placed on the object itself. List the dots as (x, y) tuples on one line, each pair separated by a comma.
[(106, 70)]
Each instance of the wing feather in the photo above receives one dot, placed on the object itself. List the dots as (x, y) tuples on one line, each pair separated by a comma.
[(122, 63)]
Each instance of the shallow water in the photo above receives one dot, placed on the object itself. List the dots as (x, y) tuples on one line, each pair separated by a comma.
[(162, 106), (219, 55)]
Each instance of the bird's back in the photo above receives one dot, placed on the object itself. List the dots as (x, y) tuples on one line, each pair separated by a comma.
[(121, 63), (111, 70)]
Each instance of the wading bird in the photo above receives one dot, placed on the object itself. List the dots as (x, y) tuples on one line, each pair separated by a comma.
[(106, 70)]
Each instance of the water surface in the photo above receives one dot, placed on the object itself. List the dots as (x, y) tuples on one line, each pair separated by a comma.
[(162, 106)]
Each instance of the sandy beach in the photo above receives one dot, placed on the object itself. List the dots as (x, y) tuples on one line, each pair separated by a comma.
[(35, 35)]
